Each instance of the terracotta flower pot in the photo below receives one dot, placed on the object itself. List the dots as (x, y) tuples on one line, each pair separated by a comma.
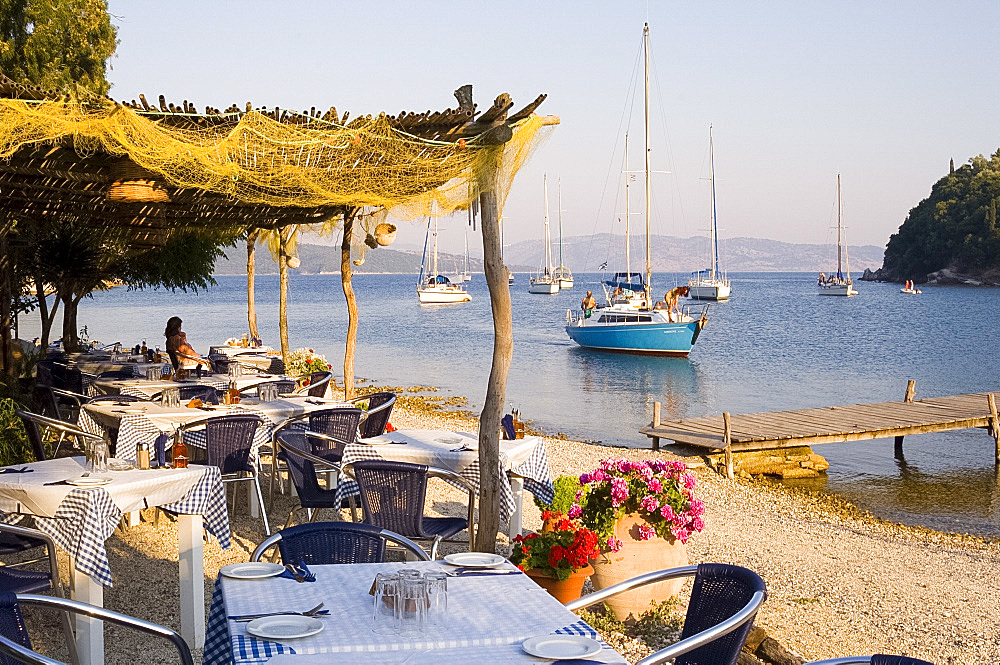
[(562, 590), (635, 558)]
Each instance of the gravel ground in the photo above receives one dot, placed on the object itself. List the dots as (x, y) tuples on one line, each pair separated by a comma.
[(839, 582)]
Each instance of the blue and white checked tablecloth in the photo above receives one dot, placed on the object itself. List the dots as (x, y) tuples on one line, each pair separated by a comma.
[(475, 605), (81, 519), (523, 457)]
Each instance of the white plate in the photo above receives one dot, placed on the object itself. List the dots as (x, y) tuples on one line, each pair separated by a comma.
[(451, 440), (134, 410), (474, 559), (561, 647), (252, 571), (116, 464), (286, 627), (88, 481)]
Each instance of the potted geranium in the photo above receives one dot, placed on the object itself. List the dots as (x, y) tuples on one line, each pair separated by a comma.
[(643, 513), (558, 558)]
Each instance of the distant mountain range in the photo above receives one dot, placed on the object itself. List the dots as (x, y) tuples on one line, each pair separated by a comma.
[(586, 254)]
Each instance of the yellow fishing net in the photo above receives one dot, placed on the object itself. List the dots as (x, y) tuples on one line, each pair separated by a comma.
[(259, 160)]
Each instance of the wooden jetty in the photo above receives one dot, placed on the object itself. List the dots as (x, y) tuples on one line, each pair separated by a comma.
[(832, 424)]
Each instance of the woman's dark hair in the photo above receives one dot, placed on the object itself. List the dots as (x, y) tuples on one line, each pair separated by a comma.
[(173, 326)]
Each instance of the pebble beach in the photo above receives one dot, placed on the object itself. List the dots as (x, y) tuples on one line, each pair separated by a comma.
[(839, 582)]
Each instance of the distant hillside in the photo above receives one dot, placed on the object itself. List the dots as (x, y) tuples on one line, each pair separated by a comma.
[(954, 232), (585, 254), (670, 254)]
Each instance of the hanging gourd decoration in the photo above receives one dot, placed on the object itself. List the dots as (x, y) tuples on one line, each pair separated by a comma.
[(461, 144), (293, 262), (371, 242), (131, 183), (385, 234)]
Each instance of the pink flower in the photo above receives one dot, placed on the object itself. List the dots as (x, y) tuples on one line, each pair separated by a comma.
[(649, 503), (667, 512), (619, 491), (614, 544), (689, 481), (697, 524), (646, 532), (697, 507), (598, 476), (574, 512), (681, 534), (654, 485)]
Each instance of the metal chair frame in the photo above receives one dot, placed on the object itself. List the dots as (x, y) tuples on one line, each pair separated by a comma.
[(448, 476), (850, 660), (26, 655), (252, 469), (64, 428), (50, 551), (323, 466), (275, 468), (747, 613), (307, 390), (370, 412), (387, 536)]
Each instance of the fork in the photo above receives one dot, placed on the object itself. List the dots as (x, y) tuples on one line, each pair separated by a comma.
[(251, 617)]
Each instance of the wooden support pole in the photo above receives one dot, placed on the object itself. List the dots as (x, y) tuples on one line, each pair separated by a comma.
[(911, 389), (655, 424), (994, 423), (898, 448), (727, 433)]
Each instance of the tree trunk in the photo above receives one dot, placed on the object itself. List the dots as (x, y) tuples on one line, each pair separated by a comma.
[(47, 316), (70, 335), (496, 389), (352, 304), (251, 307), (283, 297), (6, 300)]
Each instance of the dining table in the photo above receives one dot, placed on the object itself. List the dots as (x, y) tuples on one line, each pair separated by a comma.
[(490, 613), (80, 509), (523, 463), (149, 388)]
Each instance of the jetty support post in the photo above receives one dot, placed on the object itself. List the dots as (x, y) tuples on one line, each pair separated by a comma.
[(727, 434), (911, 389), (994, 424), (655, 424)]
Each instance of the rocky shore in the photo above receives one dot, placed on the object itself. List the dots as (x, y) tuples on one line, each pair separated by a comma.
[(946, 276), (839, 582)]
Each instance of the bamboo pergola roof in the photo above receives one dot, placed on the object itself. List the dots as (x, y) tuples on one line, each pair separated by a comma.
[(57, 180)]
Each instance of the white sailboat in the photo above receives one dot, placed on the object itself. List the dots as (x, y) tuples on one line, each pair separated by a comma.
[(545, 281), (710, 284), (624, 327), (464, 275), (839, 284), (433, 287), (562, 274)]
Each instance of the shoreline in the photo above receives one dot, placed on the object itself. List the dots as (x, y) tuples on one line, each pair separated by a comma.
[(840, 580)]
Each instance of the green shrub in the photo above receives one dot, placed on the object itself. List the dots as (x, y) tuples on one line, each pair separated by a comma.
[(14, 446), (565, 492)]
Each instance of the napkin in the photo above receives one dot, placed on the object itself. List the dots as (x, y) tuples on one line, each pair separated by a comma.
[(301, 569), (23, 469)]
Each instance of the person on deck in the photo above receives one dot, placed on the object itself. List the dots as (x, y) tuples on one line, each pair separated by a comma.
[(670, 300), (182, 356), (588, 304)]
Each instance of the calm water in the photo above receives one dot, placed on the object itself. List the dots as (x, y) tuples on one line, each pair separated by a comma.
[(775, 345)]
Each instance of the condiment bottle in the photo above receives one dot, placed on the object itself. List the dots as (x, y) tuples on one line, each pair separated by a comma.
[(234, 393), (180, 452), (143, 349), (143, 456)]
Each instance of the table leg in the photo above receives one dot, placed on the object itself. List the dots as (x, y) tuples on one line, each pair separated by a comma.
[(517, 487), (192, 579), (252, 504), (132, 518), (89, 632)]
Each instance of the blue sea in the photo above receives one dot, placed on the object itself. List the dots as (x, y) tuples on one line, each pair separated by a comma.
[(775, 345)]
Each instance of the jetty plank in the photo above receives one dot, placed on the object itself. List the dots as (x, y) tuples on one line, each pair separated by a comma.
[(832, 424)]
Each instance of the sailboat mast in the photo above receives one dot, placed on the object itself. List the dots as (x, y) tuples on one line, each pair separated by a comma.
[(840, 251), (628, 246), (713, 232), (548, 240), (435, 249), (645, 46)]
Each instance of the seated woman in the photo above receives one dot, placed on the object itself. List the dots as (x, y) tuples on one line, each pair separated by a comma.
[(182, 356)]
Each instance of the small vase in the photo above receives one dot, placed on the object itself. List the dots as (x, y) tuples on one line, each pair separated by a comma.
[(562, 590), (636, 557)]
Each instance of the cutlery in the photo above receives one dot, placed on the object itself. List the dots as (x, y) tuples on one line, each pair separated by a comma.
[(459, 449), (477, 573), (304, 571), (23, 469), (308, 613), (294, 572)]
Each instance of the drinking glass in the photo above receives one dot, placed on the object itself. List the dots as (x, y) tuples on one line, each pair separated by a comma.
[(384, 620), (411, 607), (97, 455), (437, 597), (153, 373)]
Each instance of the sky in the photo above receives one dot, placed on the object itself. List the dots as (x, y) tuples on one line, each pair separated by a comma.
[(796, 92)]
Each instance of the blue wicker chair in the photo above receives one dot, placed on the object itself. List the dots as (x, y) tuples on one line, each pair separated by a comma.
[(393, 496), (334, 543), (377, 411), (15, 645), (877, 659), (303, 467), (724, 602), (318, 384), (228, 442)]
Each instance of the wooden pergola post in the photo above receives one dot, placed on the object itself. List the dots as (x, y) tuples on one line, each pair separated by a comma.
[(911, 390), (346, 274), (496, 389)]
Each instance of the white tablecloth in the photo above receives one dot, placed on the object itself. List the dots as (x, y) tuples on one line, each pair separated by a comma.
[(485, 614), (524, 457), (80, 519), (147, 388), (142, 422)]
